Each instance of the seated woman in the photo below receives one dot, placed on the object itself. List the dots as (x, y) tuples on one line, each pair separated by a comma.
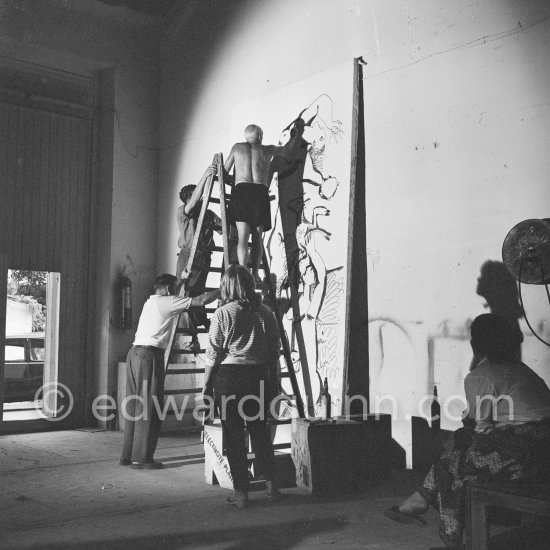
[(242, 357), (506, 433)]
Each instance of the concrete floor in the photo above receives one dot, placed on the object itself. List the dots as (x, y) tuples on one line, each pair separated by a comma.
[(65, 490)]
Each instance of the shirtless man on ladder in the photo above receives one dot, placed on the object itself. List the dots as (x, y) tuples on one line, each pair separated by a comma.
[(249, 208)]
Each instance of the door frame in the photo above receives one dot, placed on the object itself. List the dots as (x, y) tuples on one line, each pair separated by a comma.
[(101, 115)]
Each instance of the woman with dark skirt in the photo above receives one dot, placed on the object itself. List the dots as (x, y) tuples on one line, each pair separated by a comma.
[(242, 358)]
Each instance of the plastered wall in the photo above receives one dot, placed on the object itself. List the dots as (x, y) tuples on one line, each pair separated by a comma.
[(456, 114), (455, 158)]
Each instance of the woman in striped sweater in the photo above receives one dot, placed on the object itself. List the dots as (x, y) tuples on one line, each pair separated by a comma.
[(242, 356)]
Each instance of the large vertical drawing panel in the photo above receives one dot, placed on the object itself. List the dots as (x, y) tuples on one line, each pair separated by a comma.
[(308, 243)]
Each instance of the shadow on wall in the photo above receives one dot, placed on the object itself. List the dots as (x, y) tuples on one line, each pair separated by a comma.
[(499, 288), (309, 281), (407, 358), (198, 53)]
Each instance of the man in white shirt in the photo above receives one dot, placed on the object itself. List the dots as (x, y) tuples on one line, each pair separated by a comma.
[(145, 370)]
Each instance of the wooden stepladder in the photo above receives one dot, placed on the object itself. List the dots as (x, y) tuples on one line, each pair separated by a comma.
[(212, 430), (288, 372), (174, 351)]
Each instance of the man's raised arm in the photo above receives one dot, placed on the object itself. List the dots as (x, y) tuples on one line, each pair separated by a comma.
[(197, 192), (205, 298), (290, 149), (230, 160)]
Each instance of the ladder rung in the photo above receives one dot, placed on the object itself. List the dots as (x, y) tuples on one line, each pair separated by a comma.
[(191, 331), (172, 412), (251, 456), (184, 371), (210, 309), (274, 422), (281, 446), (187, 351), (201, 269), (217, 249), (181, 392), (262, 286), (215, 270)]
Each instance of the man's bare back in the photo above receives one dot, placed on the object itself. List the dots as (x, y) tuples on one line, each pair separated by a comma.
[(249, 207), (251, 162)]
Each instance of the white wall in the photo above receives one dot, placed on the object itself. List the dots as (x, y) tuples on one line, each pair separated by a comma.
[(211, 63), (456, 102), (456, 139)]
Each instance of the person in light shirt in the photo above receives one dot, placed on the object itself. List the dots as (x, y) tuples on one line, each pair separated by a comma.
[(506, 433), (145, 370)]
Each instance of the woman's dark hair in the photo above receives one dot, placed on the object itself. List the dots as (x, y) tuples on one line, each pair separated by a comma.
[(186, 192), (493, 337), (238, 286)]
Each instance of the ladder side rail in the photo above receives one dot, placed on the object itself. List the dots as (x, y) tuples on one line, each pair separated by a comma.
[(168, 350), (284, 340), (205, 200), (223, 211), (206, 197), (290, 367)]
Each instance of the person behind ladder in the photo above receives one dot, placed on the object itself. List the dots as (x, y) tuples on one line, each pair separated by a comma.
[(187, 216)]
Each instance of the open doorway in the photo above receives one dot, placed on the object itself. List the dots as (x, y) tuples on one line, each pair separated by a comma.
[(31, 343)]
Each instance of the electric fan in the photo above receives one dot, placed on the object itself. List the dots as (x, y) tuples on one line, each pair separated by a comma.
[(526, 251), (526, 255)]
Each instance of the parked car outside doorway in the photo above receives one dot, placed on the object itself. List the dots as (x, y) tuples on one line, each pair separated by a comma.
[(23, 366)]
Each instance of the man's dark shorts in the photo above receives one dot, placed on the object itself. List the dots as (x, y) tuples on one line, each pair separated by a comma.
[(250, 203)]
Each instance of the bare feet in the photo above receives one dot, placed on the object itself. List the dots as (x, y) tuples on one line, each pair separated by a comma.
[(409, 511), (238, 499), (416, 505)]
